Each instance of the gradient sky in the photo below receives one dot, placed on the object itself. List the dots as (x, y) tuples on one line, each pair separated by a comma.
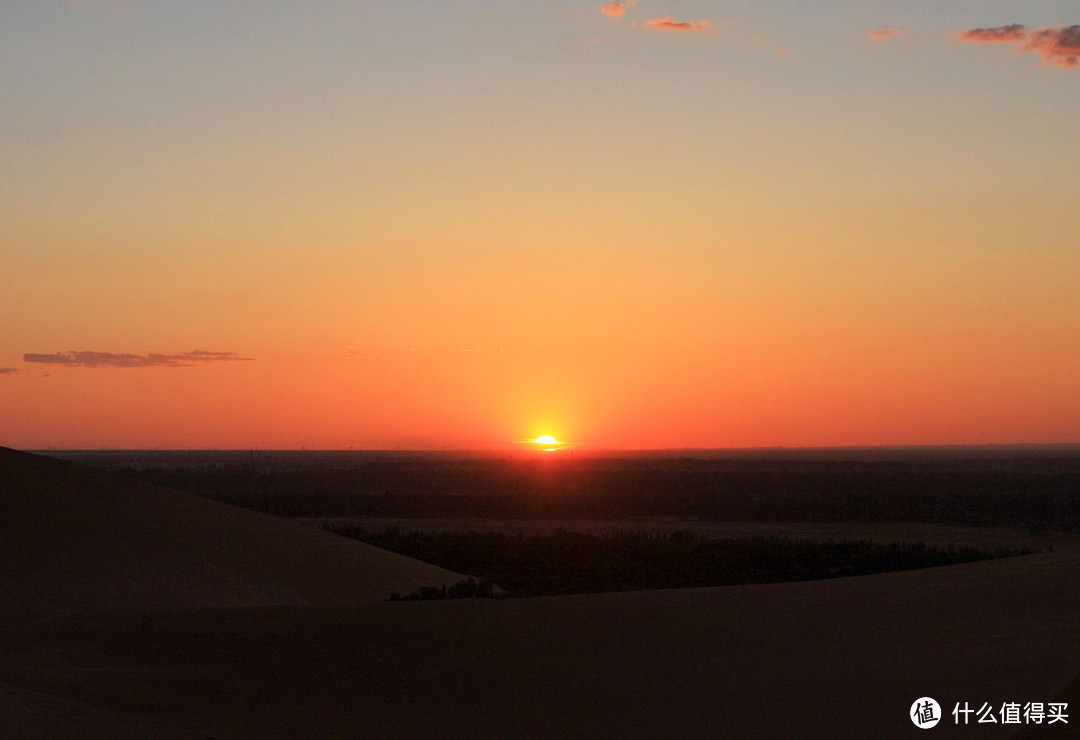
[(461, 224)]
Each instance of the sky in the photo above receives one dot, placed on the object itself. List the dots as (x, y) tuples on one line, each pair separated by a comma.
[(430, 224)]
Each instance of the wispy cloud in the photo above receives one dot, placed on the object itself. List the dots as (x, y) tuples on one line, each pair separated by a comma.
[(670, 24), (1059, 46), (112, 359), (1001, 34), (616, 9), (885, 33), (8, 371), (779, 51)]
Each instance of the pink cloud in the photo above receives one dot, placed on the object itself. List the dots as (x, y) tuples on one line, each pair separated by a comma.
[(1059, 46), (999, 35), (614, 9), (882, 34), (670, 24)]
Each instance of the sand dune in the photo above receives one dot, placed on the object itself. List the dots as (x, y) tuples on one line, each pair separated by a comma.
[(834, 659), (77, 539)]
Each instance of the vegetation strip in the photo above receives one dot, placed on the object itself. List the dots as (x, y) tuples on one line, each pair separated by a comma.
[(563, 562)]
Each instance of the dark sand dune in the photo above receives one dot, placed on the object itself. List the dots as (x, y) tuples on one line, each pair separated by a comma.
[(834, 659), (77, 539)]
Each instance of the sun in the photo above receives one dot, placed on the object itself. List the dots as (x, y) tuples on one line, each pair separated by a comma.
[(546, 439)]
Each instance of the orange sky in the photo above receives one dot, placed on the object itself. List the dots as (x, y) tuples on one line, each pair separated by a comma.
[(470, 226)]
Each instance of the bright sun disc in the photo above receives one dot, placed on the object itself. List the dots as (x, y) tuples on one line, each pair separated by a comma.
[(546, 439)]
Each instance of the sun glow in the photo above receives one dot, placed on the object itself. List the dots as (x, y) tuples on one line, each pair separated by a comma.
[(546, 439)]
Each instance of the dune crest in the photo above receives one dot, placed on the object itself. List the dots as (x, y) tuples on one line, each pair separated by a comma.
[(76, 539)]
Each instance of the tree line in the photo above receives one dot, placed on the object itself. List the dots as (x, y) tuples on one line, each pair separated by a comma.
[(563, 562)]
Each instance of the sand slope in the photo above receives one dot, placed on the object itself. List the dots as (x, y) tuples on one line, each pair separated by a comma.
[(834, 659), (77, 539)]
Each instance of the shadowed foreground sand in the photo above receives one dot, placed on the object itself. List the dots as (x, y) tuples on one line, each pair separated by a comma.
[(833, 659)]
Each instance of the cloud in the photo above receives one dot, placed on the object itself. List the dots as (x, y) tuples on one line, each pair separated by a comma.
[(999, 35), (1059, 46), (670, 24), (615, 9), (885, 33), (112, 359), (8, 371)]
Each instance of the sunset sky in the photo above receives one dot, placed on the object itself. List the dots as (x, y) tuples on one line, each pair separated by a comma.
[(426, 224)]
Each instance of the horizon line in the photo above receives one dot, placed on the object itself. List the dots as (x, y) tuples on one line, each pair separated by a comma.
[(580, 448)]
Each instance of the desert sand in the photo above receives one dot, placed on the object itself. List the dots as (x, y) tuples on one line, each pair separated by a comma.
[(77, 539), (135, 612)]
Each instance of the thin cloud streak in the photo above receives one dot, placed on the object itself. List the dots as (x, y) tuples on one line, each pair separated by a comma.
[(883, 34), (670, 24), (9, 371), (1059, 46), (999, 35), (113, 360)]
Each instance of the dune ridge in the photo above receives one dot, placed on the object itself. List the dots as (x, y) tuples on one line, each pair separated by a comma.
[(75, 539)]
